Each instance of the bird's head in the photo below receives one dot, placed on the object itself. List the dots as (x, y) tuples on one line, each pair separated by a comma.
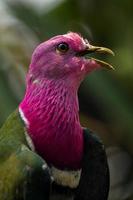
[(64, 57)]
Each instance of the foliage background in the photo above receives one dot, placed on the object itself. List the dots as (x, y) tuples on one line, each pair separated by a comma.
[(105, 96)]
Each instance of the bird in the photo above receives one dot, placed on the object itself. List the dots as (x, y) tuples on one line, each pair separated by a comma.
[(45, 153)]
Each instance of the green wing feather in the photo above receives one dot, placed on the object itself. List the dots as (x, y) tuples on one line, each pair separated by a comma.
[(21, 172)]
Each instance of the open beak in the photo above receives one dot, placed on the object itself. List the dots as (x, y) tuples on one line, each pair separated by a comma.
[(95, 49)]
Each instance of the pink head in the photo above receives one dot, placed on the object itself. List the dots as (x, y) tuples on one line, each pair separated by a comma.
[(62, 57)]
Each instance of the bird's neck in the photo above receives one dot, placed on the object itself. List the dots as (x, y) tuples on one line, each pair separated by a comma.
[(50, 110)]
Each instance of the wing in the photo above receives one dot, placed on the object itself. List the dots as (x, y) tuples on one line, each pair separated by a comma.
[(36, 180), (94, 182), (23, 174)]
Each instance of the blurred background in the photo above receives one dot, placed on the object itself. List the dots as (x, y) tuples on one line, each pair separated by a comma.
[(105, 96)]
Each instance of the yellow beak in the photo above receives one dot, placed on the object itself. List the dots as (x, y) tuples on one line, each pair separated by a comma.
[(92, 49)]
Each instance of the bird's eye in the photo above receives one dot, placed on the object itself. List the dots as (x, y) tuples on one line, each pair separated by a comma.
[(62, 47)]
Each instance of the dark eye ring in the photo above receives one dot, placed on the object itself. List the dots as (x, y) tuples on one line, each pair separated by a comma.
[(62, 47)]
